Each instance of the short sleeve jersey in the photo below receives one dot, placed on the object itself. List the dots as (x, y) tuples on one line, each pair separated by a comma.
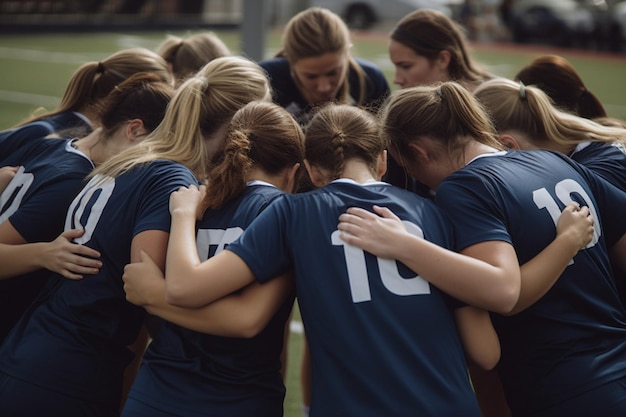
[(382, 340), (62, 124), (86, 325), (229, 376), (50, 174), (605, 159), (574, 338), (287, 94), (608, 160)]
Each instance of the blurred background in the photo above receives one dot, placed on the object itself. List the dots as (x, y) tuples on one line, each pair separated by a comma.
[(42, 42), (589, 24)]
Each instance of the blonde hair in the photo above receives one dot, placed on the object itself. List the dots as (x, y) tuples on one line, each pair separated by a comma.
[(317, 31), (262, 135), (428, 32), (529, 110), (93, 81), (447, 113), (203, 104), (341, 132), (187, 55)]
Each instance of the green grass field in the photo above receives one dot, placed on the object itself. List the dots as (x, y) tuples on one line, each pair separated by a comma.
[(35, 70)]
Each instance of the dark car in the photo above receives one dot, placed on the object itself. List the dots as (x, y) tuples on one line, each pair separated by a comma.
[(557, 22)]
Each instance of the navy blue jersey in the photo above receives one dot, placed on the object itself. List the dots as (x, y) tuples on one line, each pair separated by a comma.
[(574, 338), (605, 159), (51, 172), (383, 341), (187, 373), (62, 123), (287, 94), (74, 337), (608, 160)]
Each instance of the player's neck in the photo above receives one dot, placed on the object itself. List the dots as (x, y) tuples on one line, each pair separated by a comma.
[(358, 171), (86, 144)]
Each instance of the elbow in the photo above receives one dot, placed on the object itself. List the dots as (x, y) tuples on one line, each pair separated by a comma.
[(507, 303), (507, 299), (250, 329), (488, 361), (250, 325), (179, 297)]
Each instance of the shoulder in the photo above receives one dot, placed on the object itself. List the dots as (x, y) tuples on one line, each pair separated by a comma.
[(162, 172), (369, 67), (275, 66), (590, 150), (377, 87), (260, 196)]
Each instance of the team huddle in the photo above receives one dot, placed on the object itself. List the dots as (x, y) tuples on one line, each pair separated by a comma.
[(456, 247)]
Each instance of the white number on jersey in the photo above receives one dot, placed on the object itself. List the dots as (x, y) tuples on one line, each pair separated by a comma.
[(388, 268), (11, 198), (76, 210), (212, 237), (563, 191)]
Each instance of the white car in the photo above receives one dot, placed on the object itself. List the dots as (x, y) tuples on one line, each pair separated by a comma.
[(361, 14)]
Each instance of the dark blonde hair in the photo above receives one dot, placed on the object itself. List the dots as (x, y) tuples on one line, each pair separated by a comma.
[(93, 81), (201, 106), (529, 110), (428, 32), (317, 31), (558, 78), (187, 55), (341, 132), (447, 113), (262, 135)]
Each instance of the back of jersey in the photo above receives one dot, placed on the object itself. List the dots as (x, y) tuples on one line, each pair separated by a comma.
[(382, 339)]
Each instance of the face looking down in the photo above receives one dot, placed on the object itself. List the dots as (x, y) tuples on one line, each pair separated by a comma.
[(413, 69), (320, 77)]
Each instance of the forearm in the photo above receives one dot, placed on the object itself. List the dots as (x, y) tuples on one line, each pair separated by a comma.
[(182, 257), (478, 336), (237, 315), (467, 278), (20, 259), (541, 272)]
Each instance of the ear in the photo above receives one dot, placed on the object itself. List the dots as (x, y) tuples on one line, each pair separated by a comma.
[(382, 165), (420, 152), (291, 178), (135, 130), (443, 59), (317, 176), (509, 142)]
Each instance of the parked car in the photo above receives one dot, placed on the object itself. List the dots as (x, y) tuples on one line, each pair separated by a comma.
[(617, 27), (560, 22), (362, 14)]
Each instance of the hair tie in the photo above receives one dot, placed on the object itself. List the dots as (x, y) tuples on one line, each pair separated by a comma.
[(203, 80), (339, 135), (100, 68), (522, 91), (439, 92)]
